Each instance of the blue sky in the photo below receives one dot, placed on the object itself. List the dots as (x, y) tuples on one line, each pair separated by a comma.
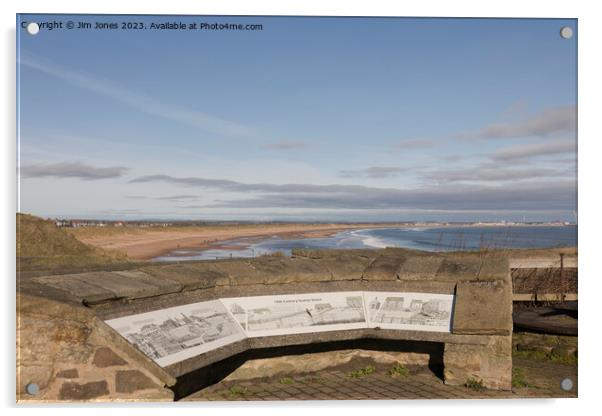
[(310, 118)]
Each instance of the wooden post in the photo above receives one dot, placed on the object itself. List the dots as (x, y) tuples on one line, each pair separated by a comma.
[(562, 282)]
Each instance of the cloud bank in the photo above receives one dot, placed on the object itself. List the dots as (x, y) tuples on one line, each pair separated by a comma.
[(71, 170), (535, 150), (550, 122), (373, 172), (528, 195)]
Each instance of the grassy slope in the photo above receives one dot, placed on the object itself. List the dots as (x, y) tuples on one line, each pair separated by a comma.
[(41, 245)]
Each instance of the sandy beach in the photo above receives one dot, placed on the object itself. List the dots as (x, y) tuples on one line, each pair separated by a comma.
[(146, 243)]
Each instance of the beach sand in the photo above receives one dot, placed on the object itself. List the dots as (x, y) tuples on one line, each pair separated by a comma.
[(146, 243)]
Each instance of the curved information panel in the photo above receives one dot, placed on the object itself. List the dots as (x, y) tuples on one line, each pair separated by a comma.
[(174, 334)]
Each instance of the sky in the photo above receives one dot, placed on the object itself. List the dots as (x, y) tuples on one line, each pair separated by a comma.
[(317, 119)]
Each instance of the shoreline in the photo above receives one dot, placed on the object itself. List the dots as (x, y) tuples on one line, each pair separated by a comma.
[(150, 244), (145, 244)]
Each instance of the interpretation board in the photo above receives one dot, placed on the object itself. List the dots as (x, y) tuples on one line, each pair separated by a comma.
[(174, 334), (409, 311), (297, 314)]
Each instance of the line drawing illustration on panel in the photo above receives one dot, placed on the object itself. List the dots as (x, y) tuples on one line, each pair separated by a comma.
[(289, 314), (413, 311), (174, 334)]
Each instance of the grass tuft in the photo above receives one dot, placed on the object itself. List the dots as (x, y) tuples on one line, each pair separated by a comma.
[(519, 378), (238, 391), (362, 372), (286, 380), (399, 370), (474, 384)]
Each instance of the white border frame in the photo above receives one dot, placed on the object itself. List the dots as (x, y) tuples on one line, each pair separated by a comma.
[(590, 199)]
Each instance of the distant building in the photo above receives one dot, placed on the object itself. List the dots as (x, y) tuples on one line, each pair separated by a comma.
[(393, 304), (432, 306), (355, 302), (416, 305), (236, 309), (374, 304)]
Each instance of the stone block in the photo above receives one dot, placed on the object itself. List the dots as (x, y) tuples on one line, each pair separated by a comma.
[(82, 291), (239, 272), (346, 266), (491, 363), (461, 363), (69, 373), (129, 381), (131, 287), (420, 267), (164, 286), (483, 307), (286, 270), (86, 391), (496, 365), (202, 275), (38, 374), (70, 332), (106, 357), (384, 267), (459, 268), (49, 308)]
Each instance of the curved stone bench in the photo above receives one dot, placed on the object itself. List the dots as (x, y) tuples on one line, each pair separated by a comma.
[(478, 345)]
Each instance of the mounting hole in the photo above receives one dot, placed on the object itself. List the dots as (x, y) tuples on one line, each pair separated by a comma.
[(33, 28), (566, 32), (32, 388), (566, 384)]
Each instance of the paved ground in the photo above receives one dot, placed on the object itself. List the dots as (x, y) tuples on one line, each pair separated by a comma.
[(542, 379)]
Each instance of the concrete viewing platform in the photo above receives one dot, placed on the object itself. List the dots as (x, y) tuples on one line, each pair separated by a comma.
[(67, 349)]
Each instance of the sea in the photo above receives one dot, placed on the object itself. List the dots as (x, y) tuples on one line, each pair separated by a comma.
[(420, 238)]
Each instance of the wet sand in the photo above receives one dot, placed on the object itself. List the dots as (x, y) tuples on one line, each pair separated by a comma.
[(144, 243)]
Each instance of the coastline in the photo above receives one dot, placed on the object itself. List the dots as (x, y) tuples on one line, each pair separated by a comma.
[(146, 244), (150, 244)]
